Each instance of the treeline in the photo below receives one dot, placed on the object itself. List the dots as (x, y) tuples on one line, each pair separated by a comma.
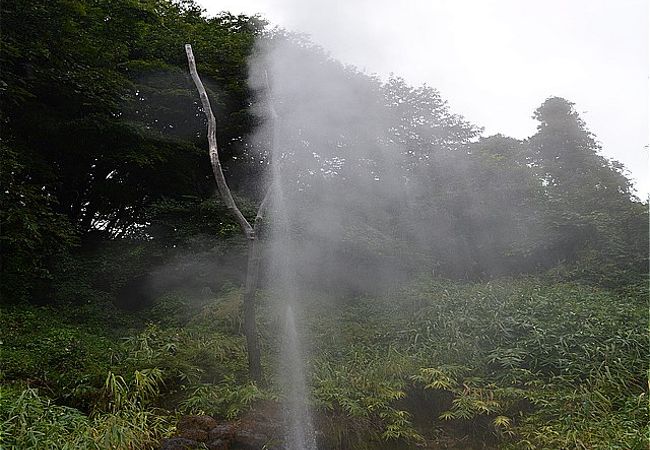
[(103, 146)]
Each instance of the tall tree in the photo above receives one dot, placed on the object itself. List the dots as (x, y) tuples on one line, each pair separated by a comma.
[(250, 232), (594, 222), (567, 157)]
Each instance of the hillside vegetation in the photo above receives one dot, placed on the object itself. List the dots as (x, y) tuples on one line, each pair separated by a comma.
[(525, 363), (462, 290)]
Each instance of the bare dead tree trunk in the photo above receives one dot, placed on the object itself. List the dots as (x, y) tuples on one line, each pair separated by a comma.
[(252, 277), (224, 191), (250, 232)]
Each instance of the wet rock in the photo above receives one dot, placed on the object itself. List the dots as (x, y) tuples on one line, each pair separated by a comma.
[(223, 431), (204, 423), (194, 434), (250, 440), (179, 443), (219, 444), (261, 427), (258, 429)]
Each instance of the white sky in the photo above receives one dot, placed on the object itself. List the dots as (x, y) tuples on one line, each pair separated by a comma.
[(496, 61)]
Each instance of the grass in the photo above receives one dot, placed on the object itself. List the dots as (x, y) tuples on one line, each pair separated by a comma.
[(533, 364), (514, 363)]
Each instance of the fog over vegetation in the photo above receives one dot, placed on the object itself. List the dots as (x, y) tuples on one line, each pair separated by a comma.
[(495, 61), (421, 284)]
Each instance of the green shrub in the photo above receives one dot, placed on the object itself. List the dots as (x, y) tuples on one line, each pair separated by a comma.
[(171, 309), (40, 346), (527, 363), (227, 399), (498, 351), (358, 393), (186, 355), (31, 421)]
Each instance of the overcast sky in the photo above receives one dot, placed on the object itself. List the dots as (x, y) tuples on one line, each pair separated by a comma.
[(496, 61)]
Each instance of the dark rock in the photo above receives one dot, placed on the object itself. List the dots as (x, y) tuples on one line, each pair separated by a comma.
[(194, 434), (179, 443), (219, 444), (224, 431), (205, 423), (247, 439)]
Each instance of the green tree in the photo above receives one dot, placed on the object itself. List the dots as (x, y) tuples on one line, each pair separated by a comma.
[(100, 122), (594, 223), (31, 231), (100, 100), (567, 157)]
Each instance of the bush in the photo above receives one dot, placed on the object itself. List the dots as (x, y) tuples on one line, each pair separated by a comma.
[(31, 421), (497, 351), (186, 355), (227, 399), (40, 346)]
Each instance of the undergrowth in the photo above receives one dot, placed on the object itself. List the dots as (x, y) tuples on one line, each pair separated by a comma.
[(514, 363), (522, 362)]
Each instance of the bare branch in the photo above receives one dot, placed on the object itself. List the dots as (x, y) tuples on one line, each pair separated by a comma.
[(224, 190)]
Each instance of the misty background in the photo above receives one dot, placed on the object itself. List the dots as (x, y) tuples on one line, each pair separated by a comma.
[(495, 61)]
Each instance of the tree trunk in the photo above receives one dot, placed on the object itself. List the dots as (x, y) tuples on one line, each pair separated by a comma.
[(254, 251), (252, 277)]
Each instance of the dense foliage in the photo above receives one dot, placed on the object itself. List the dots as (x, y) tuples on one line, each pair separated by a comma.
[(520, 319), (99, 121), (454, 353), (103, 139), (528, 363)]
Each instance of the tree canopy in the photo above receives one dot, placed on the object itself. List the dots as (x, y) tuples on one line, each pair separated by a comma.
[(103, 139)]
